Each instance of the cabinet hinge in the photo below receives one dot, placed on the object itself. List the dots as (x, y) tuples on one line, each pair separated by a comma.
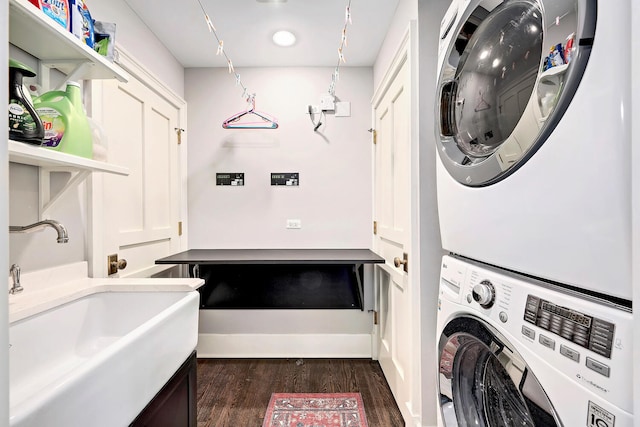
[(179, 133), (374, 136), (180, 228), (375, 227), (375, 316)]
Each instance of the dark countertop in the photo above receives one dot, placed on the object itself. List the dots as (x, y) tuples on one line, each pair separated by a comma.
[(273, 256)]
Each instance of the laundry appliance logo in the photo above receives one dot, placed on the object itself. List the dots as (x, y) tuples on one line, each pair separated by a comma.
[(591, 383), (599, 417)]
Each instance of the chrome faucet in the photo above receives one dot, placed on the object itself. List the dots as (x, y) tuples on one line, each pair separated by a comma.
[(16, 288), (60, 229)]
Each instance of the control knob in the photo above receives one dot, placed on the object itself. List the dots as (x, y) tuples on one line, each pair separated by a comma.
[(484, 294)]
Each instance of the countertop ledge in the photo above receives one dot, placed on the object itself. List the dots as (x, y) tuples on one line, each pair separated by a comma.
[(31, 302)]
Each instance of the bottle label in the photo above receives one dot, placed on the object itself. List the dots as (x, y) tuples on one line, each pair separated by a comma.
[(58, 10), (53, 126), (20, 121)]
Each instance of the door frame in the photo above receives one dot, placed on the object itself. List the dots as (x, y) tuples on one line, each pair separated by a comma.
[(407, 52), (97, 252)]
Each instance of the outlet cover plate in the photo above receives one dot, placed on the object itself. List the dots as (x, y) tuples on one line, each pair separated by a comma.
[(343, 109), (294, 224)]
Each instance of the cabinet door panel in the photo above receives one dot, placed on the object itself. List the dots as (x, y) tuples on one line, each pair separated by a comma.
[(392, 241), (141, 210)]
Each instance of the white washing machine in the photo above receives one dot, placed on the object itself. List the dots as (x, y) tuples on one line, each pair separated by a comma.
[(533, 107), (519, 352)]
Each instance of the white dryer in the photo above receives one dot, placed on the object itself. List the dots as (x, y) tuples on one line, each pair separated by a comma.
[(516, 352), (533, 107)]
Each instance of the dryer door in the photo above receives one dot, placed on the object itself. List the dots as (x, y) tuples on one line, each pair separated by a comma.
[(484, 382), (501, 89)]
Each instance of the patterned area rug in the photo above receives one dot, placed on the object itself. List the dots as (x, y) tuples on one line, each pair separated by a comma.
[(315, 410)]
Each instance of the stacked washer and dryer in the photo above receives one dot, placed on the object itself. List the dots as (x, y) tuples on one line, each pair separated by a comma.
[(534, 200)]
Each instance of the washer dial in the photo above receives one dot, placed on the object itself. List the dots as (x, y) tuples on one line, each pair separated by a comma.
[(484, 293)]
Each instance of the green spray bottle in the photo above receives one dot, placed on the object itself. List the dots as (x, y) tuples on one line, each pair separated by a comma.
[(66, 127)]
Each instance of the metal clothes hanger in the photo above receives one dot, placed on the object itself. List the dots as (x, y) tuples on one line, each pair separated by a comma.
[(265, 122)]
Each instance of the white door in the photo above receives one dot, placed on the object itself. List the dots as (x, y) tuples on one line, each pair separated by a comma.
[(392, 110), (141, 211)]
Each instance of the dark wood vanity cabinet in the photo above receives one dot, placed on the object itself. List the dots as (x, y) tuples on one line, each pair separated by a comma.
[(175, 403)]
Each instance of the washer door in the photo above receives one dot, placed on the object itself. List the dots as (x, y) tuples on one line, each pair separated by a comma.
[(484, 382), (508, 74)]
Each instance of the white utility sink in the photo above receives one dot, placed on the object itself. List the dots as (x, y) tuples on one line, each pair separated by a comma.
[(98, 360)]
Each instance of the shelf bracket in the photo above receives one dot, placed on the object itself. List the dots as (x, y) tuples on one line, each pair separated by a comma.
[(79, 70), (46, 199)]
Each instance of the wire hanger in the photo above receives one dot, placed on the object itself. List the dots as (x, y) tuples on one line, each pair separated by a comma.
[(264, 122), (482, 104)]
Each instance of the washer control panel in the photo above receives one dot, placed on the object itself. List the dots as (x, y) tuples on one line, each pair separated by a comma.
[(586, 331)]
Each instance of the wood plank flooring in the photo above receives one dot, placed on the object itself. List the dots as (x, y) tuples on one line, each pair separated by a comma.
[(236, 392)]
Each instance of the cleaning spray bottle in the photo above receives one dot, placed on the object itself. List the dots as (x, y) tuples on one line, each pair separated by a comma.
[(24, 123), (66, 127)]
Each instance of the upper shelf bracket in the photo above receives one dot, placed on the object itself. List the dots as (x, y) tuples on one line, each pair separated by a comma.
[(46, 199)]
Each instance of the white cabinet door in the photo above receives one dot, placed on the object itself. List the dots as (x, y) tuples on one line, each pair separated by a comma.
[(140, 212), (392, 241)]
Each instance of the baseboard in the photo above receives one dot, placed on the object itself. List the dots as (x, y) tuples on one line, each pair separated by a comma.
[(284, 345)]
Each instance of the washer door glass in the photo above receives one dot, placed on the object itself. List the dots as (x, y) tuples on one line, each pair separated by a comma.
[(507, 75), (483, 382)]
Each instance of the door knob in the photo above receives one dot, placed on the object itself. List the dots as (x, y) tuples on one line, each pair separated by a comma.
[(121, 264), (402, 262), (114, 264)]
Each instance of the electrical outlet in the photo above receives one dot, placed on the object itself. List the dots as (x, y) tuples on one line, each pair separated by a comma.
[(294, 223)]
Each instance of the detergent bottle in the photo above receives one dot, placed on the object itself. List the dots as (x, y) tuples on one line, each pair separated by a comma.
[(66, 127), (24, 123), (81, 22), (58, 10)]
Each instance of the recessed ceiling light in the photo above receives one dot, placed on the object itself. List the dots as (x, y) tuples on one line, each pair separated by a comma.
[(284, 38), (271, 1)]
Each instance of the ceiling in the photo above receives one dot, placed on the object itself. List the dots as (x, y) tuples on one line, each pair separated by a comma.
[(246, 28)]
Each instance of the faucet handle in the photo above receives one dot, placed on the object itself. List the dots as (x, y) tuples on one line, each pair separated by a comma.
[(15, 272), (15, 275)]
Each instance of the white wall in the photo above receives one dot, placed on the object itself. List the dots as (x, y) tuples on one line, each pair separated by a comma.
[(37, 250), (333, 201), (430, 15), (635, 202), (334, 198), (4, 250), (406, 11), (134, 36)]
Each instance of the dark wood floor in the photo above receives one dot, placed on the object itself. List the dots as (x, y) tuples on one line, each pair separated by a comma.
[(236, 392)]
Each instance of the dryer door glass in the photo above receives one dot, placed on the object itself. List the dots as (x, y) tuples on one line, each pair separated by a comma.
[(501, 88), (485, 383)]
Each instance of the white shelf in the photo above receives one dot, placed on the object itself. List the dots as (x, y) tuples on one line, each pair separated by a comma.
[(33, 31), (26, 154)]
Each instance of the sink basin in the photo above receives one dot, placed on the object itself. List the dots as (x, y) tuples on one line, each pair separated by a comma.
[(98, 360)]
